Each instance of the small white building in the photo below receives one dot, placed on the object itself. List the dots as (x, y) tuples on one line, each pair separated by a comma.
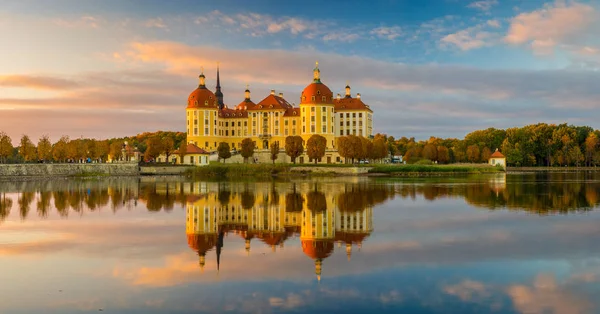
[(194, 155), (497, 159)]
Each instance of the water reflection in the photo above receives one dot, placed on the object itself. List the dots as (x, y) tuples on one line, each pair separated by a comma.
[(310, 211), (541, 194)]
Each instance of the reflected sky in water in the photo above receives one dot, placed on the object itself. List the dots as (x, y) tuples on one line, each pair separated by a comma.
[(494, 243)]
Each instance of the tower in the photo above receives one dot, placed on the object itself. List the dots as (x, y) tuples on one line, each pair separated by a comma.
[(317, 110), (218, 92)]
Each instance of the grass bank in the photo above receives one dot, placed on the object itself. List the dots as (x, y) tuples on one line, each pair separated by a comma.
[(217, 170), (430, 170)]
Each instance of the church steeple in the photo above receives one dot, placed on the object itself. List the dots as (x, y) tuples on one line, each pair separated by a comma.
[(218, 92)]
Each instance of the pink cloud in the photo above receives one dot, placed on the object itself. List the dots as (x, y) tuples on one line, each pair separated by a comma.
[(545, 28), (37, 82)]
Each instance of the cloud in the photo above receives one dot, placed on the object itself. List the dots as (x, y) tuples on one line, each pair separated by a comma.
[(483, 5), (468, 39), (547, 296), (553, 25), (390, 33), (493, 23), (83, 21), (467, 290), (37, 82), (155, 23)]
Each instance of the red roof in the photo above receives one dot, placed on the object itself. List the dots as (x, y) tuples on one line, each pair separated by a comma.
[(497, 154), (227, 113), (272, 102), (317, 248), (202, 243), (245, 104), (350, 237), (292, 112), (193, 149), (202, 97), (350, 104), (318, 90)]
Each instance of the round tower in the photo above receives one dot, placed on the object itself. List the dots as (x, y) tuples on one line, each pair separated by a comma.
[(317, 110)]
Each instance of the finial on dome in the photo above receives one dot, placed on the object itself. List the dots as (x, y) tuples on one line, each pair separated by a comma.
[(348, 95), (201, 77), (317, 73)]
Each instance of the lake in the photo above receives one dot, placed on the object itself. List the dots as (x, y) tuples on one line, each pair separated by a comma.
[(498, 243)]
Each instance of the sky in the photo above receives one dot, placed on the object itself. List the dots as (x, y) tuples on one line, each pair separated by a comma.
[(439, 68)]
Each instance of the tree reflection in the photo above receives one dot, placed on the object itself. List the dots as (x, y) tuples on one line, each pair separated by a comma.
[(5, 206), (24, 203)]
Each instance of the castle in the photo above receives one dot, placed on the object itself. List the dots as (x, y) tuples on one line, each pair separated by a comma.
[(210, 121)]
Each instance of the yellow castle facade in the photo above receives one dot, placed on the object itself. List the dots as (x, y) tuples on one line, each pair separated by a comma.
[(318, 216), (210, 121)]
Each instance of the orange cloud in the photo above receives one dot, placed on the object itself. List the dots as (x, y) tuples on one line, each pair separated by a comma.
[(37, 82)]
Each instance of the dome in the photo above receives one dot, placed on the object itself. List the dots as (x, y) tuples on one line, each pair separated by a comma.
[(202, 97), (314, 93), (317, 249), (273, 238), (202, 243)]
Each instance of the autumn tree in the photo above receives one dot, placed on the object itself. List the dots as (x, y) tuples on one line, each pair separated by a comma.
[(102, 150), (473, 153), (366, 148), (430, 152), (6, 147), (167, 147), (294, 147), (315, 147), (443, 155), (274, 151), (355, 147), (342, 147), (44, 148), (591, 144), (27, 149), (248, 147), (154, 148), (485, 154), (224, 151), (181, 151), (59, 149), (116, 150)]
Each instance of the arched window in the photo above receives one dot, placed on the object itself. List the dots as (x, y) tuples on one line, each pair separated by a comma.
[(206, 102)]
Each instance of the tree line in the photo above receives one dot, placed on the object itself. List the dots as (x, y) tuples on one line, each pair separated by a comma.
[(149, 145)]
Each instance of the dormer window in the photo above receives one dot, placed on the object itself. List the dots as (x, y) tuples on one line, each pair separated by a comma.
[(318, 92), (209, 97), (206, 102), (303, 98), (313, 98), (271, 106), (323, 98)]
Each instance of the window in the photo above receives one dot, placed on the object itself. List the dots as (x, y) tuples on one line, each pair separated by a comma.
[(226, 123), (341, 123), (195, 121), (313, 98), (191, 159), (341, 134), (233, 134), (285, 122), (195, 131), (324, 129), (286, 132), (312, 129), (324, 109), (324, 119), (312, 118), (360, 114), (205, 131), (206, 121), (245, 123), (323, 99), (347, 123), (303, 129), (294, 122), (354, 115)]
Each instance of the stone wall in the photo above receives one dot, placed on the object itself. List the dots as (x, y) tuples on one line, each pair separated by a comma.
[(66, 170)]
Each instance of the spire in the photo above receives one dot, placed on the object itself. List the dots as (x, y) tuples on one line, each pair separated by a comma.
[(248, 246), (348, 250), (316, 73), (247, 93), (201, 83), (318, 264), (218, 92), (219, 246), (202, 262), (348, 90)]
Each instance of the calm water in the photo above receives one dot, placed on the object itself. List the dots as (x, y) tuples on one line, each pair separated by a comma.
[(499, 243)]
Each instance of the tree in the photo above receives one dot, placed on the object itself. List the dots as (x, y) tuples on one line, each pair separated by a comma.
[(355, 147), (485, 154), (59, 150), (116, 150), (342, 146), (102, 150), (380, 149), (591, 143), (167, 147), (182, 151), (575, 156), (224, 151), (430, 152), (154, 148), (27, 149), (44, 148), (294, 147), (473, 153), (247, 148), (315, 147), (442, 155), (274, 151), (6, 147)]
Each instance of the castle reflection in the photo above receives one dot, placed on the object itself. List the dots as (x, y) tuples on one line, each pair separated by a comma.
[(320, 214)]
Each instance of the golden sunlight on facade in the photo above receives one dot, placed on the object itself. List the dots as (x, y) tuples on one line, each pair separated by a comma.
[(321, 217), (210, 121)]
